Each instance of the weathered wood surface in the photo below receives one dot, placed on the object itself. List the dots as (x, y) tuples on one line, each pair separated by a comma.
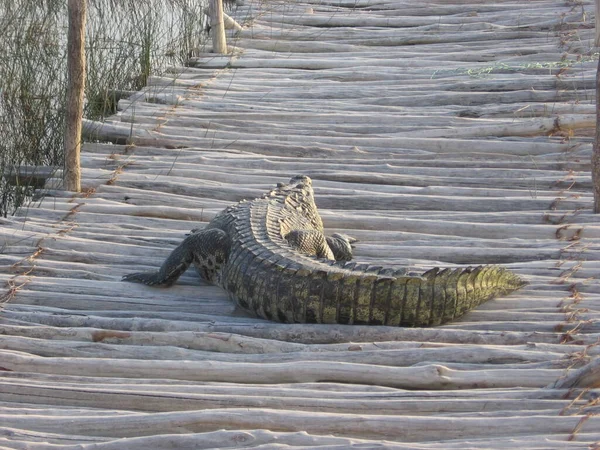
[(454, 132)]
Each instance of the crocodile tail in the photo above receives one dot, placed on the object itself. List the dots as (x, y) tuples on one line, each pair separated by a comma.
[(436, 297), (363, 294), (450, 293)]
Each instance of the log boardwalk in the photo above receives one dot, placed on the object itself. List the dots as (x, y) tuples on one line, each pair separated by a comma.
[(437, 133)]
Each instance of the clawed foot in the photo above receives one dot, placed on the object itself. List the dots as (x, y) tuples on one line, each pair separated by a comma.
[(147, 278), (341, 246), (345, 237)]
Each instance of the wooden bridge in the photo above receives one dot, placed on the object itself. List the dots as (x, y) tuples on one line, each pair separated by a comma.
[(437, 133)]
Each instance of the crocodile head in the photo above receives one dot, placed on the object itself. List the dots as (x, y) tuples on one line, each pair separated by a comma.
[(297, 196), (299, 182)]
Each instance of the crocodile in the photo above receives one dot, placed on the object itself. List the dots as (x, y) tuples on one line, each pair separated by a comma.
[(271, 255)]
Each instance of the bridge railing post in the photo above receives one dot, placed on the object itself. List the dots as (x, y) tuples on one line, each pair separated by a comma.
[(217, 26), (596, 147), (75, 86)]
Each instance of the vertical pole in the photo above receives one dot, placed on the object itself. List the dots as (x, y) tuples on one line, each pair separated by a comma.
[(75, 85), (597, 40), (596, 149), (217, 26)]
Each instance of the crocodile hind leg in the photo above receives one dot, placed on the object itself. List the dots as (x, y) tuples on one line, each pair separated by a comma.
[(341, 246), (312, 242), (207, 249)]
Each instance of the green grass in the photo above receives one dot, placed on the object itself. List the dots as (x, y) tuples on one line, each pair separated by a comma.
[(500, 67)]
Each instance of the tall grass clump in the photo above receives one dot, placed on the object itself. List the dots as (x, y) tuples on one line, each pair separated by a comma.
[(126, 41), (32, 78)]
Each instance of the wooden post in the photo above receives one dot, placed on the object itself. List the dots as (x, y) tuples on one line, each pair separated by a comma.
[(596, 147), (75, 86), (596, 150), (597, 40), (217, 26)]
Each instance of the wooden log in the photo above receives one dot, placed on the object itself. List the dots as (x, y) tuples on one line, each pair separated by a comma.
[(430, 376), (214, 439), (457, 402), (19, 439), (155, 399), (215, 8), (587, 376), (308, 390), (597, 17), (261, 437), (299, 333), (525, 128), (33, 176), (75, 91), (230, 23), (127, 345), (596, 150), (175, 137), (407, 429)]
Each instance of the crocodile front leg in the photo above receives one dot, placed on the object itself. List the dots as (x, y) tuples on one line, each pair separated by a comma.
[(207, 249)]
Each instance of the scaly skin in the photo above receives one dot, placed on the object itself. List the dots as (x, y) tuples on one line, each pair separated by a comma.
[(271, 256)]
